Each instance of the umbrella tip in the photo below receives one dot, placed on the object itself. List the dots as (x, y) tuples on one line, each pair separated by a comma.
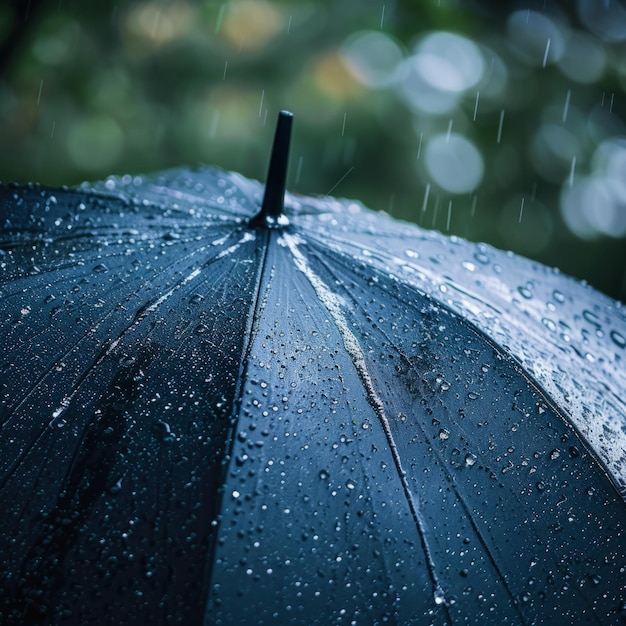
[(271, 214)]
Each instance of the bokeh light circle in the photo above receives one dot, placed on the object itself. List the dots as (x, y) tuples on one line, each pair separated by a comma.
[(454, 163), (373, 57)]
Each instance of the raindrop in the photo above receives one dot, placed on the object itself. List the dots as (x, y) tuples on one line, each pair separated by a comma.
[(439, 596), (482, 258), (444, 434), (350, 484), (618, 339), (324, 475), (592, 318), (555, 454), (470, 459)]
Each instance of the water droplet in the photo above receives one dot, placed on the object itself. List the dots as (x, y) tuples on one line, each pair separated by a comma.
[(439, 596), (470, 459), (618, 339), (555, 454), (592, 318), (444, 434), (350, 484), (324, 475)]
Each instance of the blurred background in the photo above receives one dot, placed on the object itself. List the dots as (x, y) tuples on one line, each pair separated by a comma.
[(499, 122)]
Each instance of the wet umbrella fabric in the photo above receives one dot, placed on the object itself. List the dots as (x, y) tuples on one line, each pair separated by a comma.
[(343, 419)]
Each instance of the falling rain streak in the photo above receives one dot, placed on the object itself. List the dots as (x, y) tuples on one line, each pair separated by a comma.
[(435, 211), (338, 182), (426, 194), (571, 172), (449, 215), (499, 138), (476, 105), (220, 17), (521, 210), (545, 55), (214, 124), (566, 106), (40, 89)]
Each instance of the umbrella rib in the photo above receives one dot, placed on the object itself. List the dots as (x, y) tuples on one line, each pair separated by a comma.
[(334, 306)]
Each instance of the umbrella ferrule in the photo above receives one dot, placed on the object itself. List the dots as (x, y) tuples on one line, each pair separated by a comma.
[(271, 214)]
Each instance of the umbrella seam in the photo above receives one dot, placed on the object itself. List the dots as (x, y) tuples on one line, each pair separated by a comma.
[(333, 305)]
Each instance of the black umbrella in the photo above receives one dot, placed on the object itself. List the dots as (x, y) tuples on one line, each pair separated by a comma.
[(211, 414)]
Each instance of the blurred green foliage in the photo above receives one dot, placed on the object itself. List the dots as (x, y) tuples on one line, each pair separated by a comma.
[(527, 98)]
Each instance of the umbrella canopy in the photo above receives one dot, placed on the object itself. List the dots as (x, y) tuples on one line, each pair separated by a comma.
[(211, 414)]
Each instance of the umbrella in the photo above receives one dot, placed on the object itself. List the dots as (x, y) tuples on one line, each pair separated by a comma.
[(310, 413)]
